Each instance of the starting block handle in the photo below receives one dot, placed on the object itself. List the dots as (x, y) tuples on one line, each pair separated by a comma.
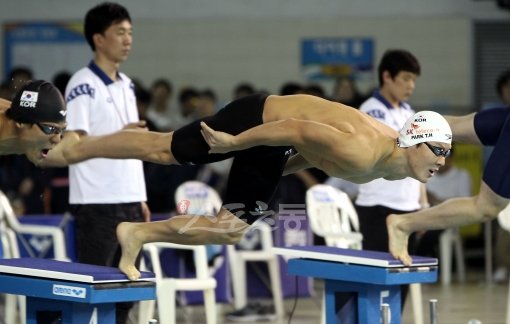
[(385, 313), (433, 311)]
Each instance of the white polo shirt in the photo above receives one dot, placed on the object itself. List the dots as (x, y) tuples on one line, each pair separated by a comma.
[(98, 105), (396, 194)]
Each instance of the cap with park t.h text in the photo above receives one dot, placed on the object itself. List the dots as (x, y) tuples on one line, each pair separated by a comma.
[(425, 126)]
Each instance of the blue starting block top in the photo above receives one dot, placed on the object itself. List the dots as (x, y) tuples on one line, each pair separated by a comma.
[(367, 277), (60, 270), (73, 282), (360, 257), (360, 266)]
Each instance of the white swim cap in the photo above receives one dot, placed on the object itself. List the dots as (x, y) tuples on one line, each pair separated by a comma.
[(425, 126)]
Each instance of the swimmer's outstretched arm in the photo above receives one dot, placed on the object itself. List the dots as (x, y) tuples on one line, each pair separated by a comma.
[(452, 212), (288, 132), (463, 128), (124, 144)]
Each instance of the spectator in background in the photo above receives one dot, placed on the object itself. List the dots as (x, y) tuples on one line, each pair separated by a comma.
[(502, 258), (163, 180), (208, 104), (143, 102), (214, 174), (60, 80), (243, 90), (345, 91), (397, 74), (315, 90), (18, 77), (291, 88), (189, 100), (159, 112), (101, 100)]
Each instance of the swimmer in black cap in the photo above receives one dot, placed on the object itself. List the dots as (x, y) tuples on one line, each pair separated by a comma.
[(33, 123)]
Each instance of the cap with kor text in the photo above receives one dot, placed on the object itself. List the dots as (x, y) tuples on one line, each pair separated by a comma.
[(37, 101), (425, 126)]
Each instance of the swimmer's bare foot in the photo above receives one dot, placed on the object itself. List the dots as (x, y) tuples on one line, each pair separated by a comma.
[(130, 249), (398, 239)]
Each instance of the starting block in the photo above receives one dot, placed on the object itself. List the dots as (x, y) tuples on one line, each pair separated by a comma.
[(373, 278), (71, 293)]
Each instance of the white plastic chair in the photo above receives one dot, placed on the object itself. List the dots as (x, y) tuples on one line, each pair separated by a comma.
[(10, 230), (239, 258), (167, 288), (56, 233), (448, 239), (204, 200), (10, 250), (333, 217)]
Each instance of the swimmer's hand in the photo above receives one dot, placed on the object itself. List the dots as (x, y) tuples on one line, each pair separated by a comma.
[(398, 240), (219, 142)]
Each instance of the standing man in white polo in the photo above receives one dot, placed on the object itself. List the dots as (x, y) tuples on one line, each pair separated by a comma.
[(101, 100), (397, 74)]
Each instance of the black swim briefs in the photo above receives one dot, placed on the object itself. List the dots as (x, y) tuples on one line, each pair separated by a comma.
[(255, 172)]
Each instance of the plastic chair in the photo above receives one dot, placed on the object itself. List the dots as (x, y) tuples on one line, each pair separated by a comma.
[(56, 233), (166, 288), (12, 230), (9, 246), (10, 249), (239, 258), (333, 217), (203, 200), (451, 238)]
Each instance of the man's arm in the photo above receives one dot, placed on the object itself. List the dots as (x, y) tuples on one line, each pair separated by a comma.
[(463, 128), (451, 213), (289, 132), (55, 156), (124, 144)]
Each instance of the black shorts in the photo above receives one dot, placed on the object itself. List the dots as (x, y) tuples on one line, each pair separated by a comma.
[(492, 127), (255, 172)]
